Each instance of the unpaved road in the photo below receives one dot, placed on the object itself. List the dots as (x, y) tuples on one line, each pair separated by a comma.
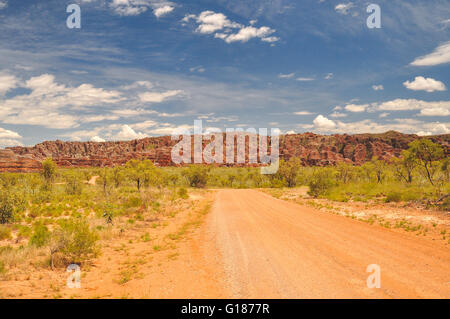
[(275, 249)]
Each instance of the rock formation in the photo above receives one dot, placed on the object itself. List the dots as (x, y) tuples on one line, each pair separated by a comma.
[(312, 149)]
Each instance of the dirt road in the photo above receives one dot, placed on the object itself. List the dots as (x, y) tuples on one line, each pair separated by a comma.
[(276, 249)]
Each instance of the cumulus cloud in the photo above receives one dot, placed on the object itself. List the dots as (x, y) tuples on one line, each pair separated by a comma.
[(425, 84), (162, 11), (377, 87), (136, 7), (97, 139), (158, 97), (9, 138), (54, 105), (410, 126), (127, 133), (209, 22), (7, 82), (439, 108), (343, 8), (321, 122), (3, 4), (48, 103), (356, 108), (440, 55)]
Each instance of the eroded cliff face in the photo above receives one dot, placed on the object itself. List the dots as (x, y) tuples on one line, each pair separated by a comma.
[(312, 149)]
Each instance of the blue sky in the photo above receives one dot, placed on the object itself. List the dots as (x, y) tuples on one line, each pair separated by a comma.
[(141, 68)]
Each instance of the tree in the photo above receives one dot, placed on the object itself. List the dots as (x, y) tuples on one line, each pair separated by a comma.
[(139, 171), (405, 166), (196, 175), (445, 168), (379, 167), (344, 172), (427, 154), (48, 170), (105, 178), (288, 171)]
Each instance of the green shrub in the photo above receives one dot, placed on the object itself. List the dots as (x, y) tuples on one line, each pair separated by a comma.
[(196, 175), (393, 197), (5, 232), (183, 193), (134, 201), (75, 241), (73, 185), (41, 236), (6, 210), (320, 183)]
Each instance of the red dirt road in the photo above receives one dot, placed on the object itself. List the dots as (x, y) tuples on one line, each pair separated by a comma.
[(275, 249)]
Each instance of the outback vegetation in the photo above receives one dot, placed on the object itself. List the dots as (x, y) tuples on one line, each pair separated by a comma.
[(60, 216)]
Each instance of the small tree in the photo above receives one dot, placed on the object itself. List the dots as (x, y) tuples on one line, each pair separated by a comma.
[(48, 170), (138, 171), (379, 168), (288, 171), (344, 172), (320, 183), (405, 166), (427, 154)]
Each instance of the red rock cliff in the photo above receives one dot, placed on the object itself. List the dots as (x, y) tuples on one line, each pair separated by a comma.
[(313, 149)]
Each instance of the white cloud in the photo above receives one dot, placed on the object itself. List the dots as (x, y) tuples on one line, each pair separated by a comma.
[(161, 11), (437, 111), (439, 108), (136, 7), (9, 134), (343, 8), (155, 97), (9, 138), (137, 85), (247, 33), (286, 76), (321, 122), (329, 76), (304, 79), (209, 22), (410, 126), (356, 108), (440, 55), (129, 7), (198, 69), (338, 114), (425, 84), (49, 103), (377, 87), (7, 82), (97, 139), (3, 4), (127, 133), (303, 113)]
